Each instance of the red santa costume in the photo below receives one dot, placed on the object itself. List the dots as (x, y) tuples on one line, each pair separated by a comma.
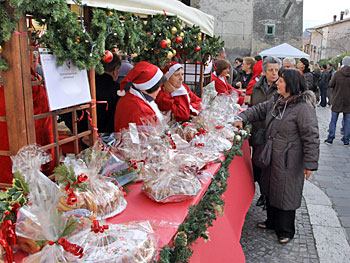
[(136, 105), (222, 87), (182, 102), (257, 69)]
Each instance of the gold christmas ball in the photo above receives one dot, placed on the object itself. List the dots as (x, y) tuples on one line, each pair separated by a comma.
[(0, 49), (182, 34), (199, 38), (168, 41), (173, 30), (174, 52), (77, 39), (110, 13), (170, 55), (238, 138)]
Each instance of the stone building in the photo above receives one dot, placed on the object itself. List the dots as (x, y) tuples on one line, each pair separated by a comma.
[(250, 26), (329, 40)]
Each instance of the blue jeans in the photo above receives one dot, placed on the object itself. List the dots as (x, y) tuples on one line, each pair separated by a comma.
[(333, 125)]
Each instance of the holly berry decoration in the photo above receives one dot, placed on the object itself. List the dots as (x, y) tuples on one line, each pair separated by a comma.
[(163, 44), (182, 34), (197, 48), (108, 57), (173, 30), (170, 55)]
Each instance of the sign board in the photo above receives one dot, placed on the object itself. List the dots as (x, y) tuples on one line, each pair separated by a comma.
[(66, 85)]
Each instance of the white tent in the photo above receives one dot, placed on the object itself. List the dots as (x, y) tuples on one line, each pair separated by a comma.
[(189, 15), (284, 50)]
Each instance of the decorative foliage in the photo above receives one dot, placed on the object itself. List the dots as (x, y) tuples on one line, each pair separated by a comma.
[(69, 39), (202, 216), (14, 198), (66, 176)]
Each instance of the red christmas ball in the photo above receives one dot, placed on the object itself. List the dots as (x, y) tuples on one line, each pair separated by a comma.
[(178, 39), (163, 44), (108, 57), (197, 48)]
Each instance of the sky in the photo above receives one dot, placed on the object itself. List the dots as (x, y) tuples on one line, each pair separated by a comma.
[(318, 12)]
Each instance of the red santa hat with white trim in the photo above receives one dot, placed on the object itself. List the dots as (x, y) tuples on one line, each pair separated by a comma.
[(169, 70), (143, 76)]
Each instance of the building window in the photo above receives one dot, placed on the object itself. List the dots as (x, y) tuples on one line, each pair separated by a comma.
[(270, 30)]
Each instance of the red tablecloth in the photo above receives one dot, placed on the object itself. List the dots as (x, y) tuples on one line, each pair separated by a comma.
[(225, 234)]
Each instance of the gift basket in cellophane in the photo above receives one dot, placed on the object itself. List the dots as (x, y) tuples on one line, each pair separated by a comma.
[(84, 190), (40, 227), (134, 242)]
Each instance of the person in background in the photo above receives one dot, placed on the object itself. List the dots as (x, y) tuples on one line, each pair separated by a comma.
[(175, 96), (289, 62), (106, 90), (243, 78), (257, 70), (316, 74), (139, 102), (303, 66), (263, 90), (221, 84), (291, 118), (237, 68), (323, 84), (125, 67), (331, 72), (340, 83)]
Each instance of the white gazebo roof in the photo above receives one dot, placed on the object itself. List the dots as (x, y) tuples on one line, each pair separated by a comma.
[(284, 50)]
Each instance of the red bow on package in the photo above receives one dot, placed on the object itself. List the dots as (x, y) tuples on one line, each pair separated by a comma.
[(95, 227), (8, 238), (69, 247)]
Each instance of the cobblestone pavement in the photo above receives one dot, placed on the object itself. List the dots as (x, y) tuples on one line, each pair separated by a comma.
[(261, 245), (333, 175)]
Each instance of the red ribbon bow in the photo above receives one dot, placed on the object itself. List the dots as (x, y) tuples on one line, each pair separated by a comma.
[(74, 249), (95, 227)]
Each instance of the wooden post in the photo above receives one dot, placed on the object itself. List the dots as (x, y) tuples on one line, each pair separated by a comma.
[(93, 105), (18, 90)]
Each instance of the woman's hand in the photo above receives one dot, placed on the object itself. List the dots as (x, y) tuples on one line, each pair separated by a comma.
[(238, 124), (239, 85), (307, 174), (168, 87)]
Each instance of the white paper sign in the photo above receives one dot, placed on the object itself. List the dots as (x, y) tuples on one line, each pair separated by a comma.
[(66, 85)]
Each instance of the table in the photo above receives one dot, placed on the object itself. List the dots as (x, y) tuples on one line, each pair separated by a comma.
[(226, 232)]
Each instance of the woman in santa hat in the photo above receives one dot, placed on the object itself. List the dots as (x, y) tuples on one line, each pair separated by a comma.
[(175, 96), (138, 102), (222, 68)]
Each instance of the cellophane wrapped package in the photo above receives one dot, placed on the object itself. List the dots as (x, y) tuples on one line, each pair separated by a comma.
[(84, 188), (39, 222), (134, 242)]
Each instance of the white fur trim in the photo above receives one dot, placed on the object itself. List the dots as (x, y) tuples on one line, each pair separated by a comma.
[(121, 93), (172, 70), (149, 84), (179, 92)]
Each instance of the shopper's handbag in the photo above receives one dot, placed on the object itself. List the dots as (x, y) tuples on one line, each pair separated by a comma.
[(263, 153)]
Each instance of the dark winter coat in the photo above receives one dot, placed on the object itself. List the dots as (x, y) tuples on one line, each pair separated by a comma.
[(323, 84), (340, 83), (260, 94), (295, 148), (309, 79)]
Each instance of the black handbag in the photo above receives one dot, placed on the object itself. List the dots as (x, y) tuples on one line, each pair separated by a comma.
[(263, 153)]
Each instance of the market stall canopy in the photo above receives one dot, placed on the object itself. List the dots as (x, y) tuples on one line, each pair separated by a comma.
[(189, 15), (284, 50)]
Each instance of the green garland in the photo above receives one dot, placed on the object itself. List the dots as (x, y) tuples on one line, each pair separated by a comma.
[(69, 39), (203, 215)]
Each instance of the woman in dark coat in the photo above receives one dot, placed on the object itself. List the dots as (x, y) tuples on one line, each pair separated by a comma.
[(295, 149)]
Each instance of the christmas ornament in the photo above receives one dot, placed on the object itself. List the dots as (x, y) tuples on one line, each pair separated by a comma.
[(197, 48), (168, 41), (77, 39), (108, 57), (110, 13), (199, 38), (178, 39), (163, 44), (174, 52), (170, 55), (0, 49), (182, 34), (238, 138), (173, 30), (156, 51)]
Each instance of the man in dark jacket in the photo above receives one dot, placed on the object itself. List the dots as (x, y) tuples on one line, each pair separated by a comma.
[(331, 72), (340, 83), (263, 90), (323, 84)]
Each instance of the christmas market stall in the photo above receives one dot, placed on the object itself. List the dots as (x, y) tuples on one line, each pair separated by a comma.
[(163, 191)]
